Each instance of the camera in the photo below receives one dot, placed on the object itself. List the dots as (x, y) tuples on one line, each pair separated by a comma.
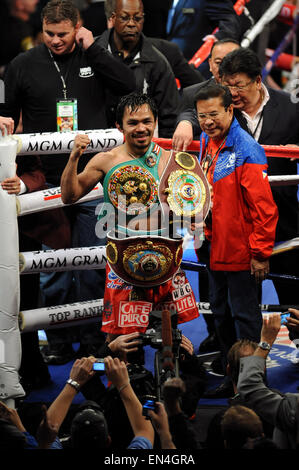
[(284, 316), (148, 403), (153, 338), (99, 365)]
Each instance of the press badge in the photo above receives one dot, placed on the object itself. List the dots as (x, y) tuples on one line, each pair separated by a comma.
[(188, 11), (67, 115)]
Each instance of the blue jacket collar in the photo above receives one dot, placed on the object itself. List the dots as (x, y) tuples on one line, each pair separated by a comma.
[(229, 139)]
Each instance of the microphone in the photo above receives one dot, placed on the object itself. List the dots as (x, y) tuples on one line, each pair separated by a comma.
[(167, 353)]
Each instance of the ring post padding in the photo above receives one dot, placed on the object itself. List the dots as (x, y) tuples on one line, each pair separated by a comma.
[(10, 341), (19, 142)]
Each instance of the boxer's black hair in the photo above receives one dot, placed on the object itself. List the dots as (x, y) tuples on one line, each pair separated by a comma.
[(133, 101)]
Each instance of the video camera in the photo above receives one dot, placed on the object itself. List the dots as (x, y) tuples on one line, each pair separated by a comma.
[(164, 336), (154, 335), (153, 338)]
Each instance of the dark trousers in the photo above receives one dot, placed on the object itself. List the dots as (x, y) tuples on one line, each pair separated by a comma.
[(234, 302), (203, 257)]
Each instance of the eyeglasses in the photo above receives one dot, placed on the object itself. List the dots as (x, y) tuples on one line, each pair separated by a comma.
[(127, 18), (213, 116), (238, 87)]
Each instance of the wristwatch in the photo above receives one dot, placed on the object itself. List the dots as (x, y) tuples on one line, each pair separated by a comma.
[(73, 384), (264, 345)]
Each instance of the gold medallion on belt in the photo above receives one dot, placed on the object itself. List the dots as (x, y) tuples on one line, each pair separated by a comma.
[(144, 260), (132, 189), (184, 186)]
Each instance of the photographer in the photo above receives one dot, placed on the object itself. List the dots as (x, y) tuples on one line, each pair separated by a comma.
[(88, 426), (121, 346), (293, 323), (182, 431), (46, 436), (117, 373), (159, 419), (279, 410), (129, 348)]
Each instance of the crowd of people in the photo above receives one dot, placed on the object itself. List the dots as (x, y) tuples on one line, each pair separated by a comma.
[(126, 64)]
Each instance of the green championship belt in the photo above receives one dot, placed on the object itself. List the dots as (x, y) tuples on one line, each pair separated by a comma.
[(184, 187), (144, 260), (132, 189)]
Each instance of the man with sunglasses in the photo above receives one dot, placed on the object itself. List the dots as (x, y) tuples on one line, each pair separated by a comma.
[(152, 71)]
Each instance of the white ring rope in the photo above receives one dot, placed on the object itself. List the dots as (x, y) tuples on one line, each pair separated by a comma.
[(47, 199), (285, 246), (268, 16), (55, 143), (62, 316), (92, 257), (283, 180), (70, 314), (68, 259), (51, 198)]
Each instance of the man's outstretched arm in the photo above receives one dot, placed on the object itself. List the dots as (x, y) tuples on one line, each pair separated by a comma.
[(74, 185), (117, 373), (273, 407)]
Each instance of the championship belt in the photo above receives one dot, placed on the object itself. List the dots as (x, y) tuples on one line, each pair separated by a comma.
[(184, 187), (132, 189), (144, 260)]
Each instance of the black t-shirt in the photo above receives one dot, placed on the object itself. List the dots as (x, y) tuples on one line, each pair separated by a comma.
[(16, 36)]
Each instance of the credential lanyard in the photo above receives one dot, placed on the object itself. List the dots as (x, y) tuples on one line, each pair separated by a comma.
[(209, 159), (64, 89), (257, 126)]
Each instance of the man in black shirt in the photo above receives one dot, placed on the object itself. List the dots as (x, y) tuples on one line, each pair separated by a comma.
[(152, 71), (186, 73), (16, 32)]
